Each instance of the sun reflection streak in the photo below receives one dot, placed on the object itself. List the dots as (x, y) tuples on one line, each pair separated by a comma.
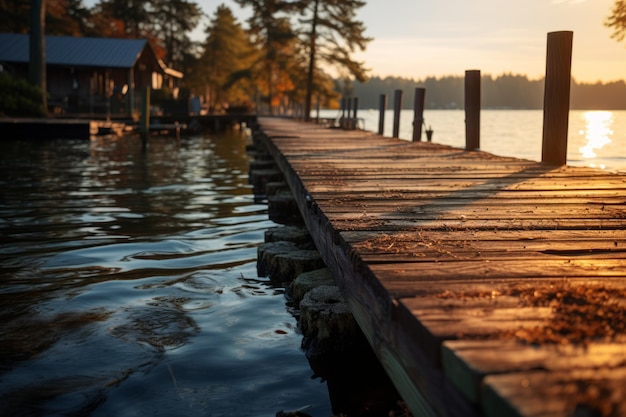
[(597, 131)]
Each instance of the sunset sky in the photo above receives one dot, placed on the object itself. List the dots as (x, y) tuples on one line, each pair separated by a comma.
[(420, 38)]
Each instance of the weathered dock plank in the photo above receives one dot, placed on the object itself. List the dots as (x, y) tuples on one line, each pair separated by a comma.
[(487, 285)]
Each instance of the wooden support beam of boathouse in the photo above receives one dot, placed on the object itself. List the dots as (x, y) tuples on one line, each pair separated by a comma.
[(486, 285)]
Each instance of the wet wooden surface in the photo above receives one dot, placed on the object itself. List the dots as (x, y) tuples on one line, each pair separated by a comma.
[(486, 285)]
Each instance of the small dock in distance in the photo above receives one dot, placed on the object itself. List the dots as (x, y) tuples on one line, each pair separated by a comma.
[(56, 128), (486, 285), (85, 127)]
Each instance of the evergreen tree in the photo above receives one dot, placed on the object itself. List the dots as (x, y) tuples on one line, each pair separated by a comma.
[(223, 70), (272, 32), (170, 22), (166, 23), (63, 17), (14, 16), (332, 36), (67, 18), (617, 20), (134, 14)]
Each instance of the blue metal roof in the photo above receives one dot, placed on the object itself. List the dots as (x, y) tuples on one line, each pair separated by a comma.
[(73, 51)]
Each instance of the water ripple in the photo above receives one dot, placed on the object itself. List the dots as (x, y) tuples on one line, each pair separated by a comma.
[(128, 284)]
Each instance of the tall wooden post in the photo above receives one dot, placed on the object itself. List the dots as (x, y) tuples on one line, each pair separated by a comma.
[(37, 50), (472, 110), (317, 109), (397, 107), (311, 69), (257, 101), (556, 97), (131, 92), (382, 107), (418, 113), (145, 115), (355, 109), (107, 93), (343, 112)]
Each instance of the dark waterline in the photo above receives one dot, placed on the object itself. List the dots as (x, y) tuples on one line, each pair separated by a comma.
[(128, 284)]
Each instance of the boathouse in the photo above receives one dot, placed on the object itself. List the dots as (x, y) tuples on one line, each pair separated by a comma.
[(92, 75)]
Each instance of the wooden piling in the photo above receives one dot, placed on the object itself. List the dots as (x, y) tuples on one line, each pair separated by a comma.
[(418, 113), (355, 109), (472, 110), (556, 97), (317, 109), (145, 114), (342, 121), (382, 107), (348, 123), (397, 107)]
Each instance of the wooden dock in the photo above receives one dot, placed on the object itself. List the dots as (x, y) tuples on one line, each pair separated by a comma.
[(57, 128), (486, 285)]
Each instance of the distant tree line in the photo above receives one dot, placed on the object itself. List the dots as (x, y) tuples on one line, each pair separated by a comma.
[(506, 91)]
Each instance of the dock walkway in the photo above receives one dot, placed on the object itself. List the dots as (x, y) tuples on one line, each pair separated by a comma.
[(486, 285)]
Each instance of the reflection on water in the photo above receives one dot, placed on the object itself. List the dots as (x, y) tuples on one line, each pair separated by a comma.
[(518, 133), (597, 133), (128, 284)]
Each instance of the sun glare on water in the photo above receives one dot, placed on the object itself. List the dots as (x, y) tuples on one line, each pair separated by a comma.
[(597, 133)]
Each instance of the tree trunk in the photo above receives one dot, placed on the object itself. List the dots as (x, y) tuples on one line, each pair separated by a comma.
[(312, 50), (270, 75), (37, 61)]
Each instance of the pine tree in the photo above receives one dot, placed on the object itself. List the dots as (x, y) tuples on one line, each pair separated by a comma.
[(63, 17), (166, 23), (171, 21), (133, 13), (272, 31), (617, 20), (333, 35), (67, 18), (224, 66)]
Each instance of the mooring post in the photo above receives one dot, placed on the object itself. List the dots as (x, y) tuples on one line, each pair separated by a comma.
[(418, 113), (348, 113), (342, 104), (144, 126), (472, 110), (382, 107), (556, 97), (355, 109), (317, 110), (397, 107)]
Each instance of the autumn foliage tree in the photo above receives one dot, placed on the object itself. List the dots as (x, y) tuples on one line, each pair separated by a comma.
[(63, 17)]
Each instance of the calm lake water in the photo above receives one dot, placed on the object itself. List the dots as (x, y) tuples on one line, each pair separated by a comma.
[(595, 139), (128, 284)]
